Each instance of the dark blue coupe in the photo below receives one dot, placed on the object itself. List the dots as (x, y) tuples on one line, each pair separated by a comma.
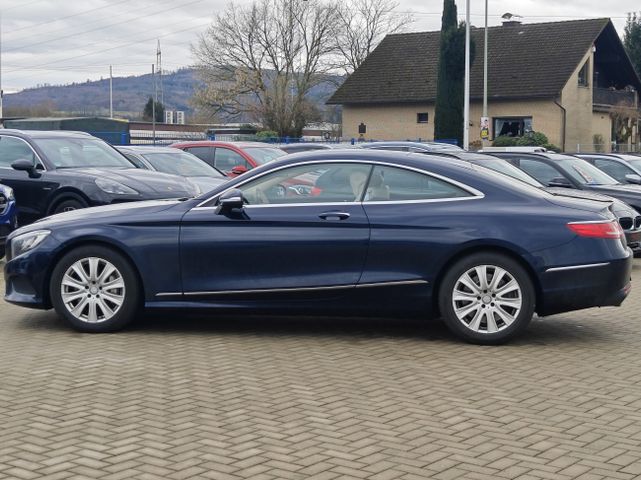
[(332, 232)]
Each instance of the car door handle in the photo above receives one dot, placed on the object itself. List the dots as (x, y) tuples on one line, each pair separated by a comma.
[(334, 216)]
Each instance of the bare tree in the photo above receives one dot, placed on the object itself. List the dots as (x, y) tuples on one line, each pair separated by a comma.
[(262, 60), (362, 25)]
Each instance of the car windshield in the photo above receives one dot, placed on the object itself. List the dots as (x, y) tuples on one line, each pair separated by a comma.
[(585, 173), (636, 163), (506, 168), (72, 152), (181, 163), (264, 154)]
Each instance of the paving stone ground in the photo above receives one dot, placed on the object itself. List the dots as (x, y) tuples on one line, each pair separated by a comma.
[(271, 398)]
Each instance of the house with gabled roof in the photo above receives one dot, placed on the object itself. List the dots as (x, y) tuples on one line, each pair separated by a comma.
[(571, 80)]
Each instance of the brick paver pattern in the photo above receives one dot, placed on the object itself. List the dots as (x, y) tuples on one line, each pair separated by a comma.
[(177, 397)]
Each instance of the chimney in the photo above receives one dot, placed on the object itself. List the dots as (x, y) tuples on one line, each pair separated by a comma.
[(511, 19)]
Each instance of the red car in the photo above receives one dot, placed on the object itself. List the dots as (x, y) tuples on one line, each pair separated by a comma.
[(233, 158)]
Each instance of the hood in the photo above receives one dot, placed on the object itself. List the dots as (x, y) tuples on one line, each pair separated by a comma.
[(207, 184), (104, 214), (144, 181)]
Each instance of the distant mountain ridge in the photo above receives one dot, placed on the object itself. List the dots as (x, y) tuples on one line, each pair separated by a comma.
[(129, 95)]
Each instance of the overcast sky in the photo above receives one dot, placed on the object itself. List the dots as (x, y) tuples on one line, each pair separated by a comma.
[(64, 41)]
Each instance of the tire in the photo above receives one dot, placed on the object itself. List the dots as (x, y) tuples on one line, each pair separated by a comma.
[(494, 313), (69, 205), (111, 301)]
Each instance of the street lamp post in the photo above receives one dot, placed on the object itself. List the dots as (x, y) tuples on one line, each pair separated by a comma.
[(466, 95), (485, 140)]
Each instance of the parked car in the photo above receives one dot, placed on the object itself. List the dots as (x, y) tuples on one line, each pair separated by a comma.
[(564, 171), (629, 219), (622, 167), (232, 158), (8, 215), (176, 162), (303, 147), (53, 172), (389, 234), (416, 147), (514, 149)]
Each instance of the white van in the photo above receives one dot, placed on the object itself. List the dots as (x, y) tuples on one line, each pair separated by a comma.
[(514, 149)]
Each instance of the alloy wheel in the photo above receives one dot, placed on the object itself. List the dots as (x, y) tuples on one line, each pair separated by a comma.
[(487, 299), (92, 290)]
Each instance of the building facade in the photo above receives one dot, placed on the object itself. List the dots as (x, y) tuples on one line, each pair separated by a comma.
[(571, 81)]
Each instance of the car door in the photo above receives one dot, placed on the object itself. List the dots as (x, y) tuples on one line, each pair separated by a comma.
[(305, 242), (32, 193), (204, 153), (225, 159), (409, 213)]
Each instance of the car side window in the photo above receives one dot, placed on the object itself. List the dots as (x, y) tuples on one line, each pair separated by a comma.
[(12, 149), (313, 183), (399, 184), (204, 153), (614, 169), (543, 172), (226, 159)]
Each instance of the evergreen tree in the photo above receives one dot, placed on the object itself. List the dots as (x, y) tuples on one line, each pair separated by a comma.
[(448, 115), (632, 40), (147, 113)]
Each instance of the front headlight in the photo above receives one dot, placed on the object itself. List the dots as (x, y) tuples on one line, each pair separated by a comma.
[(27, 241), (8, 192), (113, 187)]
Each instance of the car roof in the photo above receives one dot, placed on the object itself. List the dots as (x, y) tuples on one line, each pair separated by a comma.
[(46, 133), (401, 143), (147, 149), (216, 143), (544, 155)]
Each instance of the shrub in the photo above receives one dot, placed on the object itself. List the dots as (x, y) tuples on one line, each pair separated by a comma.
[(504, 141), (266, 134), (532, 139)]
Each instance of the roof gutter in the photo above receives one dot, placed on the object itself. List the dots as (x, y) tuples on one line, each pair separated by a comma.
[(564, 114)]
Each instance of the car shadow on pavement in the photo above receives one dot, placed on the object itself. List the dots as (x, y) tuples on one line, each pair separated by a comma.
[(550, 331)]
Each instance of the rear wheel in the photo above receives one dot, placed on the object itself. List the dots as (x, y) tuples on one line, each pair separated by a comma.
[(95, 289), (487, 298)]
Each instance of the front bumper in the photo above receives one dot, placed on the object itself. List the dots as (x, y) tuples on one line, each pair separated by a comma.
[(633, 240), (583, 286)]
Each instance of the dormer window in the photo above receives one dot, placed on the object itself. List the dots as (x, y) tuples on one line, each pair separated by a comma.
[(584, 74)]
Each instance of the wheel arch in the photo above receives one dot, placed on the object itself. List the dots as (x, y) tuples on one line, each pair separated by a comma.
[(66, 194), (83, 242), (502, 249)]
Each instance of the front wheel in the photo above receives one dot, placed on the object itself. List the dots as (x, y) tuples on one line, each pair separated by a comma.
[(95, 289), (487, 298), (69, 206)]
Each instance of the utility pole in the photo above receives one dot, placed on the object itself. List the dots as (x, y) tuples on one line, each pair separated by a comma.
[(160, 72), (466, 95), (485, 115), (111, 92), (1, 92), (153, 104)]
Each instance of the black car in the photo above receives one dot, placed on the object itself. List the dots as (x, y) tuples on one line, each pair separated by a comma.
[(623, 167), (557, 170), (628, 217), (303, 147), (54, 172)]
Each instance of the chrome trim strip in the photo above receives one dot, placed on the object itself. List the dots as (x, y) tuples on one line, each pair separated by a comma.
[(577, 267), (294, 289), (476, 194)]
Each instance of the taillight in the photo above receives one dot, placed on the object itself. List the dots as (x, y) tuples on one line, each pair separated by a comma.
[(597, 229), (315, 192)]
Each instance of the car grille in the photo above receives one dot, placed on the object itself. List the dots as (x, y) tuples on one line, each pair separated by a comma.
[(637, 222), (627, 223), (3, 203)]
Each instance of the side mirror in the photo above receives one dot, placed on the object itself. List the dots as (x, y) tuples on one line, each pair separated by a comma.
[(238, 170), (25, 165), (230, 200), (633, 178), (560, 182)]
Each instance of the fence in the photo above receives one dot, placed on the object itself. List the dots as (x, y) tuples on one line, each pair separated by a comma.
[(608, 147)]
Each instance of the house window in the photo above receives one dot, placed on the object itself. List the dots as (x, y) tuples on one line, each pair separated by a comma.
[(512, 126), (422, 117), (584, 74)]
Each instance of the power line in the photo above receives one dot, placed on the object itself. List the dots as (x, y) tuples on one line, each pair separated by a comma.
[(63, 18), (108, 49), (22, 5), (24, 47)]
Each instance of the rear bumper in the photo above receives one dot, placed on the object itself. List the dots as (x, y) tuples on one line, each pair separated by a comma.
[(583, 286)]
